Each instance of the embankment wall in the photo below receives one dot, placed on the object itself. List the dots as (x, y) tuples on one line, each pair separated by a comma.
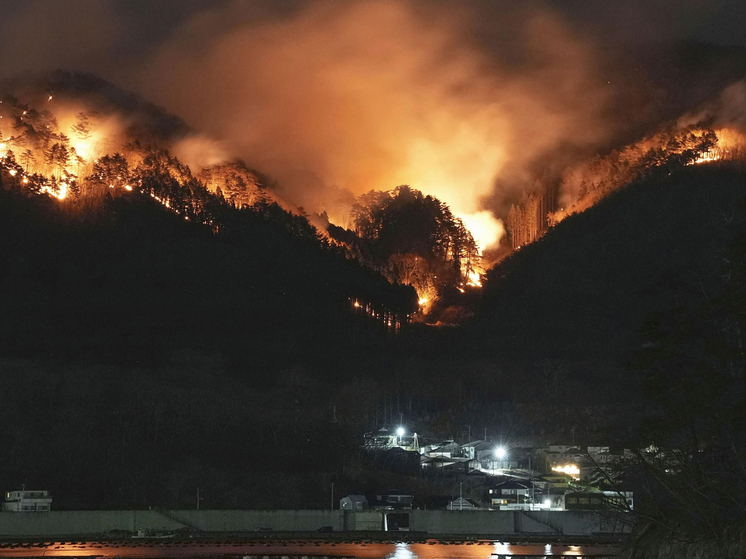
[(434, 522)]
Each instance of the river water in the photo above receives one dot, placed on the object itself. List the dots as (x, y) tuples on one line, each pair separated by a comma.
[(307, 549)]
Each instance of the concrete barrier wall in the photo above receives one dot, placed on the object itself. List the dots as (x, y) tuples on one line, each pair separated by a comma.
[(369, 521), (250, 520), (478, 523), (570, 523), (461, 522), (81, 522)]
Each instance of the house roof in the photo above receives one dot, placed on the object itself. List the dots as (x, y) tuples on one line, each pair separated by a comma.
[(357, 498), (479, 445), (462, 501), (513, 484)]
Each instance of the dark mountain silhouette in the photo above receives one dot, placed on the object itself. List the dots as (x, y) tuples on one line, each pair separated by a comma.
[(585, 289)]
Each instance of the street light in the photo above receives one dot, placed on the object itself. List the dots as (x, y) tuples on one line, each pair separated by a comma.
[(500, 454), (399, 434)]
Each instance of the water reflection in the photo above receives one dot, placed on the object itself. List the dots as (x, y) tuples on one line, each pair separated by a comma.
[(303, 549), (403, 551)]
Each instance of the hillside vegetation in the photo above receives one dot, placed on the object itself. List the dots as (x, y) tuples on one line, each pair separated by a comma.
[(585, 289)]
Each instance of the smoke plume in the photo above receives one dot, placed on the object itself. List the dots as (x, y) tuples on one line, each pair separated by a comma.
[(335, 99), (470, 102)]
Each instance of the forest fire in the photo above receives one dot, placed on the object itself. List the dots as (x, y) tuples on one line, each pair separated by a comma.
[(569, 469), (706, 158), (67, 150)]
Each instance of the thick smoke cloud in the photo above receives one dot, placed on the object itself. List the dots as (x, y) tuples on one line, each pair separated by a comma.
[(468, 101), (372, 94)]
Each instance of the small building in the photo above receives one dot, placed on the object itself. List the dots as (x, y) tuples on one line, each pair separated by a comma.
[(27, 501), (463, 504), (387, 438), (395, 500), (446, 449), (479, 450), (442, 465), (354, 503), (510, 492), (595, 500)]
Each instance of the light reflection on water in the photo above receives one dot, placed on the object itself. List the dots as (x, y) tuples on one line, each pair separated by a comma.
[(497, 550), (402, 552), (304, 549)]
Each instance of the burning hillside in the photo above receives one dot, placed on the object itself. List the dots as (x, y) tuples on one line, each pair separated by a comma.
[(78, 145), (83, 132), (87, 155), (584, 184)]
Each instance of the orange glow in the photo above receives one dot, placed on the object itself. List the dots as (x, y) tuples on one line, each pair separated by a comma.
[(569, 469), (61, 192), (474, 279), (82, 148), (484, 227), (381, 105)]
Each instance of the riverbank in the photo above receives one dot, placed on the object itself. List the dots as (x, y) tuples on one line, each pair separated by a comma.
[(547, 525)]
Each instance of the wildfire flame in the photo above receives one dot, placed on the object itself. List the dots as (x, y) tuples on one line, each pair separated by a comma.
[(569, 469), (706, 158), (475, 279)]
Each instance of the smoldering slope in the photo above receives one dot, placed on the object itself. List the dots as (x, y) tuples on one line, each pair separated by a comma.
[(336, 99), (468, 101)]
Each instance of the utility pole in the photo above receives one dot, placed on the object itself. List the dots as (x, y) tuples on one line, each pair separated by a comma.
[(198, 498), (531, 481), (332, 500), (461, 496)]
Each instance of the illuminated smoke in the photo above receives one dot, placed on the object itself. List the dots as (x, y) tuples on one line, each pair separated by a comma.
[(199, 152), (340, 98)]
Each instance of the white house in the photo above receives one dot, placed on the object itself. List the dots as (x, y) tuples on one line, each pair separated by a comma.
[(27, 501), (353, 502), (462, 504)]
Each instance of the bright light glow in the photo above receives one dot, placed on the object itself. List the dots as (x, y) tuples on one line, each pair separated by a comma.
[(61, 191), (13, 172), (474, 279), (500, 453), (403, 552), (83, 148), (569, 469), (547, 502), (705, 158), (400, 432), (485, 229), (422, 301)]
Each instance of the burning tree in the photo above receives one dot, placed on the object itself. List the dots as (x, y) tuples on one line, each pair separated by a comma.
[(415, 239), (235, 182), (586, 184)]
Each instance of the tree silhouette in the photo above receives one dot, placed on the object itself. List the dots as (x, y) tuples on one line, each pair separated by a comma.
[(407, 233)]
